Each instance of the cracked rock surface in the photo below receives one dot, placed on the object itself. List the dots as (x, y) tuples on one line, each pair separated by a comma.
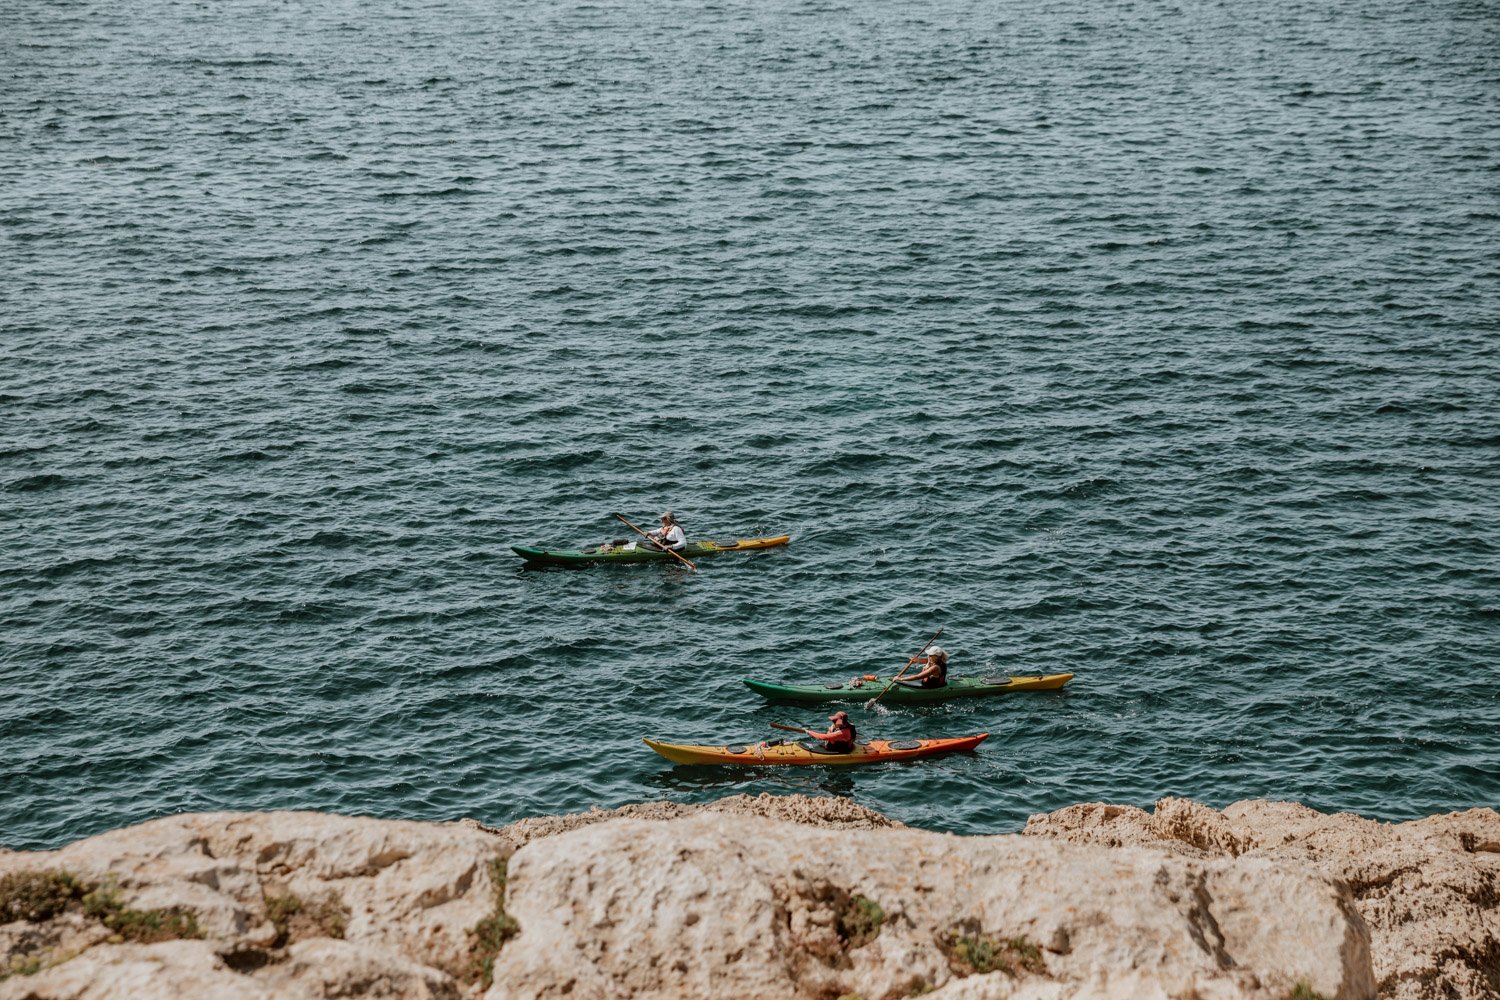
[(404, 896), (765, 896), (1429, 889), (729, 906)]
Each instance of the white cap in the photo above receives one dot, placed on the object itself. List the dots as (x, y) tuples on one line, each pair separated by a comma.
[(935, 651)]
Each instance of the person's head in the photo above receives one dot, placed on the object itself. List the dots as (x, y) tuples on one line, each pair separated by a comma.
[(839, 718), (667, 520), (937, 655)]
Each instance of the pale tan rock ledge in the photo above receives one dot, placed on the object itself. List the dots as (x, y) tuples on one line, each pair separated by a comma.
[(774, 897)]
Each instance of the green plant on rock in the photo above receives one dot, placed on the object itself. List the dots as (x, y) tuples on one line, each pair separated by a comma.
[(104, 904), (21, 965), (329, 915), (971, 952), (859, 921), (1029, 955), (491, 933), (37, 895), (977, 953), (280, 909), (296, 919), (1304, 991)]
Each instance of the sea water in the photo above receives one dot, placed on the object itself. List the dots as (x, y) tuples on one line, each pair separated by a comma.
[(1153, 342)]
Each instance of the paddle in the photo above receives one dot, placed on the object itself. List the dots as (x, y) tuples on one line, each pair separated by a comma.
[(668, 551), (790, 729), (871, 703)]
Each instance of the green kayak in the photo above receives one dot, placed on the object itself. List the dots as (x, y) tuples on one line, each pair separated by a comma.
[(863, 689), (630, 552)]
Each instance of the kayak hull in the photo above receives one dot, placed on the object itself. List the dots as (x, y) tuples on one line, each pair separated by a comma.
[(605, 555), (791, 754), (959, 687)]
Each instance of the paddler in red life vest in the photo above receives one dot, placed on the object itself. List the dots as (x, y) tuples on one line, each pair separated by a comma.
[(670, 534), (840, 735), (933, 675)]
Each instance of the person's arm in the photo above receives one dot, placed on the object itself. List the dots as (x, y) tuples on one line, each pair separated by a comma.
[(676, 538), (825, 737)]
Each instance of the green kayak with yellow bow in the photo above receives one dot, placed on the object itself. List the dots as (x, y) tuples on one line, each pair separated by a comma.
[(868, 686), (626, 552)]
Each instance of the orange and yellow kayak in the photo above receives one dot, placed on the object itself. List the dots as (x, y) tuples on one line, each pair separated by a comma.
[(785, 752)]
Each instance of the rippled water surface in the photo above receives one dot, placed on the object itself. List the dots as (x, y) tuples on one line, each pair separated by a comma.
[(1157, 343)]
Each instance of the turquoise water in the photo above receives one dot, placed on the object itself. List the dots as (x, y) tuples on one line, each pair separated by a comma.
[(1156, 343)]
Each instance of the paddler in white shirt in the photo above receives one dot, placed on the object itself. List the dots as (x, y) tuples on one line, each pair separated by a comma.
[(934, 673), (670, 534)]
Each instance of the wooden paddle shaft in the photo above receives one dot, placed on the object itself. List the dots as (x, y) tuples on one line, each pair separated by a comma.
[(914, 659), (664, 548)]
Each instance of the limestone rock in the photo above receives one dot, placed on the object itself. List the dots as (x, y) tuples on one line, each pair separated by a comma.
[(397, 898), (792, 897), (718, 906), (1429, 889), (825, 811)]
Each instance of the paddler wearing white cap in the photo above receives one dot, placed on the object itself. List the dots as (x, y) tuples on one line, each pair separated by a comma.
[(934, 674)]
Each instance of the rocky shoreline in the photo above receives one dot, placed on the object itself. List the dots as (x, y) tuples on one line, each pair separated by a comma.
[(763, 897)]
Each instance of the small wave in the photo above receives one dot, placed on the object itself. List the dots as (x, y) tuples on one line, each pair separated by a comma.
[(583, 251), (1081, 490), (250, 455), (326, 364), (374, 388), (79, 565), (556, 462), (331, 539), (38, 483), (1048, 607), (448, 192), (313, 611)]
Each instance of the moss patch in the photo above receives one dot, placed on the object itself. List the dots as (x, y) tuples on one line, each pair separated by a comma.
[(489, 935), (971, 952), (139, 926), (21, 965), (297, 919), (38, 896), (859, 921), (1304, 991)]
